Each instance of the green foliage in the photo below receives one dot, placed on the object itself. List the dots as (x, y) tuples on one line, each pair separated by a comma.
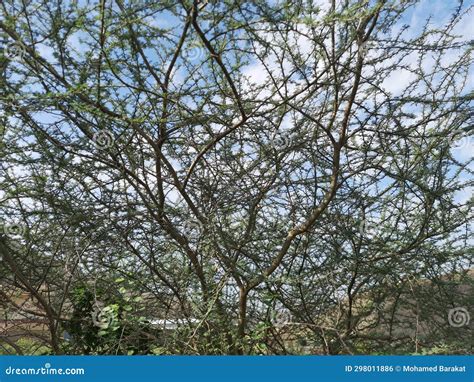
[(109, 327)]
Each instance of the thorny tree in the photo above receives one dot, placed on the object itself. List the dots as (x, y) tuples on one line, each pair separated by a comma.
[(252, 172)]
